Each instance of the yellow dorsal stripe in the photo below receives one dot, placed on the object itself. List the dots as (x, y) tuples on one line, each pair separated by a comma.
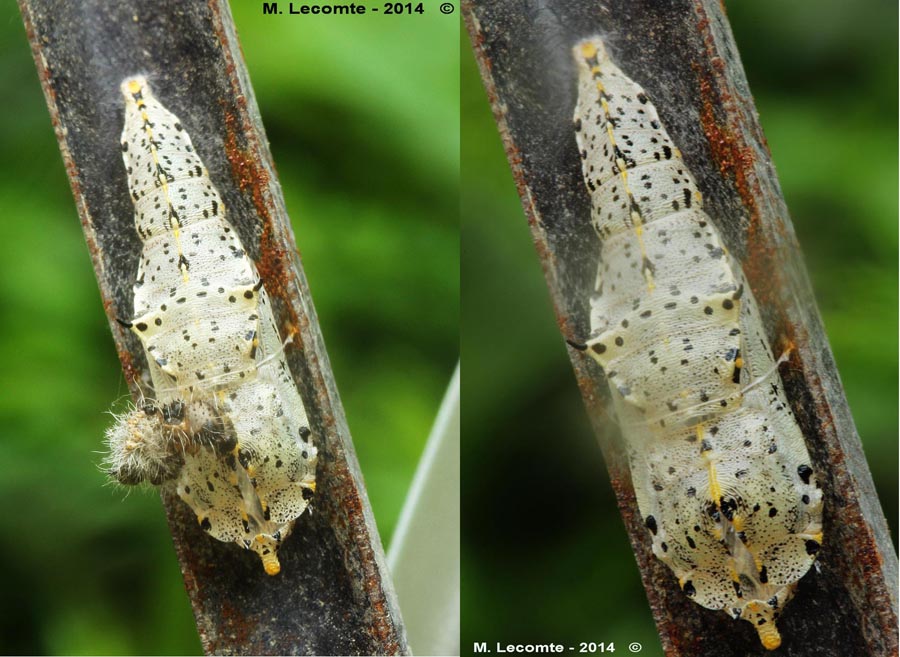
[(623, 172), (134, 87), (715, 489)]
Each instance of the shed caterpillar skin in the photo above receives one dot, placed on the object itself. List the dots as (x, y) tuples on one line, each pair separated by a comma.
[(238, 449), (148, 443), (720, 469)]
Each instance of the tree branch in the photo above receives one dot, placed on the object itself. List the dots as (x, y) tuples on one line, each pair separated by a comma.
[(333, 595)]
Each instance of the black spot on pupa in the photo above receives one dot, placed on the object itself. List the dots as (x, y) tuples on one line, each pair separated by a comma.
[(805, 473), (650, 523), (688, 588), (812, 547)]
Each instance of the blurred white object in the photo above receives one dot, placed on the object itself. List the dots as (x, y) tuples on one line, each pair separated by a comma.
[(424, 553)]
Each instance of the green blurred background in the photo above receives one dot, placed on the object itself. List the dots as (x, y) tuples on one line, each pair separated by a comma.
[(362, 114), (545, 555)]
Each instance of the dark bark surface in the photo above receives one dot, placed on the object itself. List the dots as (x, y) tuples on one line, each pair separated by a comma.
[(333, 595), (683, 54)]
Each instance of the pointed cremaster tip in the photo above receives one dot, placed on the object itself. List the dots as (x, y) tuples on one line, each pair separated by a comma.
[(768, 635), (271, 564)]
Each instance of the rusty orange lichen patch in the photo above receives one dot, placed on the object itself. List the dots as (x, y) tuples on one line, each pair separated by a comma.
[(240, 627), (735, 160), (382, 628), (251, 176), (131, 373)]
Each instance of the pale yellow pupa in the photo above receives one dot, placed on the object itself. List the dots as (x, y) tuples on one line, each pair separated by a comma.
[(720, 468), (227, 427)]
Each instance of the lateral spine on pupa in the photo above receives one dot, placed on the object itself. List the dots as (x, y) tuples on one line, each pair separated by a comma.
[(719, 465)]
